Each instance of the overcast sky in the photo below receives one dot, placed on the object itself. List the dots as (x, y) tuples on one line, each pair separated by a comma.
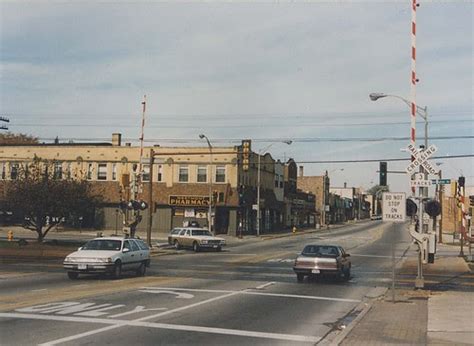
[(268, 71)]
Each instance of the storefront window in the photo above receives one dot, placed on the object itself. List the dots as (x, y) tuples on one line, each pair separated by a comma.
[(146, 173)]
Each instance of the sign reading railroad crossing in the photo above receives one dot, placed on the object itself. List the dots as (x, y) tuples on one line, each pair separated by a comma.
[(393, 206), (421, 158)]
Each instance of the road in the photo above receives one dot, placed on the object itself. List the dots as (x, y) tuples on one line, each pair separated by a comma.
[(246, 294)]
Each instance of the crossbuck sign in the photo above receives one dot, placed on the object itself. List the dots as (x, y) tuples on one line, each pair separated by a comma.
[(421, 158)]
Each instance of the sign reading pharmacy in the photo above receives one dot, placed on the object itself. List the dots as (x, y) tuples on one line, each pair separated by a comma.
[(189, 201), (394, 206)]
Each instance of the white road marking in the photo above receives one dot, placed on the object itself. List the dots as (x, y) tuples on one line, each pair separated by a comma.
[(81, 335), (261, 294), (137, 309), (261, 287), (138, 323), (39, 290), (178, 295)]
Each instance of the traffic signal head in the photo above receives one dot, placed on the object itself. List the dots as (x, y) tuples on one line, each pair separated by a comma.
[(383, 174), (461, 181), (246, 148)]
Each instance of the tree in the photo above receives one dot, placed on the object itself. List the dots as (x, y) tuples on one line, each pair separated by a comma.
[(377, 189), (17, 138), (45, 198)]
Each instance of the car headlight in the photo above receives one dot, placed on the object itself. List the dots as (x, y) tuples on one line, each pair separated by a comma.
[(101, 260), (203, 241)]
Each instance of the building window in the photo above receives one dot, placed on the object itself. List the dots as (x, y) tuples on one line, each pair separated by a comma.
[(146, 173), (89, 171), (276, 181), (114, 171), (14, 167), (58, 170), (183, 174), (102, 171), (202, 174), (160, 173), (69, 170), (220, 174), (281, 181), (3, 170), (220, 197)]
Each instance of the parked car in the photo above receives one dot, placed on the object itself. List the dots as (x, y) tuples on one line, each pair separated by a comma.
[(110, 255), (376, 217), (322, 259), (197, 239)]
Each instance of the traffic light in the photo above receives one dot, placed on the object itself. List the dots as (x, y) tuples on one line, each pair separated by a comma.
[(461, 181), (432, 208), (246, 145), (411, 207), (383, 174)]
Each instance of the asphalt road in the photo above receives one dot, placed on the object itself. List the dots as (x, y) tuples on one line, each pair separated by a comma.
[(246, 294)]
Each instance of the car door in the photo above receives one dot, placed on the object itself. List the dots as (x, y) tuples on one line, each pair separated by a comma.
[(342, 258), (186, 238), (127, 257), (136, 256)]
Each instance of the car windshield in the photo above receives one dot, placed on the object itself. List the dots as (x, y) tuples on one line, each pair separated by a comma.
[(103, 244), (202, 233), (320, 251)]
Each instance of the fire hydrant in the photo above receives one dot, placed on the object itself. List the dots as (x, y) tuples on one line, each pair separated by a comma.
[(10, 235), (294, 229)]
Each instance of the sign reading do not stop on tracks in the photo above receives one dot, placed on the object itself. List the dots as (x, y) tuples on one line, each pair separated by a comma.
[(394, 206)]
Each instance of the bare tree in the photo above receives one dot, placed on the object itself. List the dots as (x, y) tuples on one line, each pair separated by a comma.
[(45, 198), (17, 138)]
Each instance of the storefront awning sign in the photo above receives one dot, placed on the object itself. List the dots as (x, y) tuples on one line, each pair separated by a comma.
[(189, 201)]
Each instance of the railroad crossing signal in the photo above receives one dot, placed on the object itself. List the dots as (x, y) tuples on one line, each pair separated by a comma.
[(421, 158)]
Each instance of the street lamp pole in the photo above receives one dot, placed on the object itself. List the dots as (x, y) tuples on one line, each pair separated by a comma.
[(260, 153), (209, 216)]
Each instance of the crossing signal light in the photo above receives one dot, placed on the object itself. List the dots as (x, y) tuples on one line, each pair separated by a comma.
[(383, 174), (411, 207), (461, 181), (432, 208)]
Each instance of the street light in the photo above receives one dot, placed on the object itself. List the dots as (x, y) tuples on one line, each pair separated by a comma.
[(209, 216), (262, 152), (421, 111)]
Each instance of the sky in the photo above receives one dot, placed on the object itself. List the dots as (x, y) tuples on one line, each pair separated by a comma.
[(266, 71)]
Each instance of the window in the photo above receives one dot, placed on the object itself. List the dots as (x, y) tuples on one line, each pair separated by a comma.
[(220, 197), (58, 170), (202, 174), (276, 181), (3, 171), (134, 246), (14, 167), (281, 181), (220, 174), (114, 171), (183, 174), (69, 170), (160, 173), (126, 245), (102, 171), (146, 173), (89, 171)]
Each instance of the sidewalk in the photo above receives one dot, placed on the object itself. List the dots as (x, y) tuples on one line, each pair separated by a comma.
[(440, 314)]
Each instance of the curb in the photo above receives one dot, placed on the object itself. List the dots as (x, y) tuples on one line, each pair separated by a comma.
[(365, 308)]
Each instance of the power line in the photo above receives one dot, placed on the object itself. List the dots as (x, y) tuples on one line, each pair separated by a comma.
[(226, 126), (388, 160), (266, 140)]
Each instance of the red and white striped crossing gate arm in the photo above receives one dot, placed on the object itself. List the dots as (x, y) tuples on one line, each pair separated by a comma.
[(414, 80)]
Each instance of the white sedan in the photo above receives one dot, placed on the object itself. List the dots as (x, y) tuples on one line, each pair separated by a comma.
[(108, 255)]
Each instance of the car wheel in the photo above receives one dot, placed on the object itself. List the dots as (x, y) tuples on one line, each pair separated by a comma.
[(72, 275), (117, 273), (142, 269), (176, 245), (300, 277), (196, 246)]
